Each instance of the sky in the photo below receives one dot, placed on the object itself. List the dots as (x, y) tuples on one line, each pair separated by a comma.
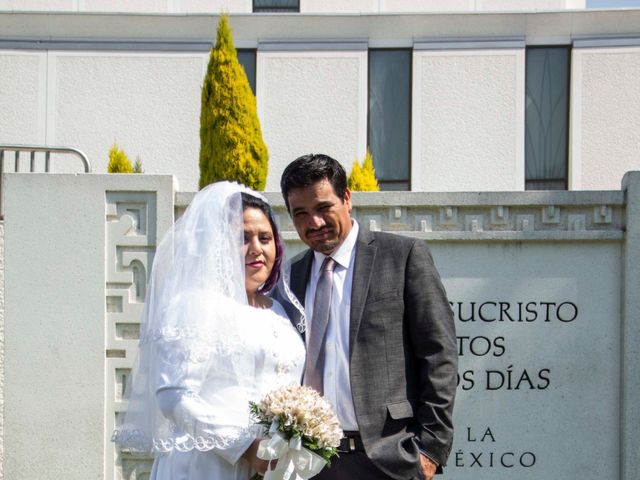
[(612, 3)]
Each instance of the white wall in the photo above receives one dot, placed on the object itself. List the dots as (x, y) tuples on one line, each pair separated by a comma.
[(137, 6), (148, 103), (605, 115), (306, 6), (315, 102), (467, 128), (523, 5), (370, 6), (22, 96), (468, 114)]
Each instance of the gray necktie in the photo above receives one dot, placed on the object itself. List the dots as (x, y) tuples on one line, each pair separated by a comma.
[(314, 367)]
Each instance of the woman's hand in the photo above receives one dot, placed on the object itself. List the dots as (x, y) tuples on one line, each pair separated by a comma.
[(251, 456)]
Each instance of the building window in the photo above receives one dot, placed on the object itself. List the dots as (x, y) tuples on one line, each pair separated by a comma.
[(247, 58), (276, 5), (389, 128), (547, 118)]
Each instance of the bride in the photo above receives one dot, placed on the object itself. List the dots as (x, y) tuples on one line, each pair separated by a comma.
[(211, 340)]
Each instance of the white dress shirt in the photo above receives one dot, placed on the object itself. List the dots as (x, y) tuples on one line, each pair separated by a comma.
[(337, 387)]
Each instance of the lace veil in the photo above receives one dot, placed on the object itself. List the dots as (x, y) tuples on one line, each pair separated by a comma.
[(192, 326)]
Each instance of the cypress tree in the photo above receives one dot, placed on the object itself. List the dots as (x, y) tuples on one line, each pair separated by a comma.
[(118, 161), (231, 145), (363, 178)]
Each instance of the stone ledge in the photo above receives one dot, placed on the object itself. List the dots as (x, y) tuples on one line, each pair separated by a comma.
[(529, 198), (484, 216), (289, 236)]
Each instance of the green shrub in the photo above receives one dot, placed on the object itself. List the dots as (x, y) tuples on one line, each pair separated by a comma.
[(137, 166), (231, 145), (363, 178), (118, 161)]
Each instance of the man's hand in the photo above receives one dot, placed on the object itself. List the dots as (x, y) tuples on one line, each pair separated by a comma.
[(428, 467)]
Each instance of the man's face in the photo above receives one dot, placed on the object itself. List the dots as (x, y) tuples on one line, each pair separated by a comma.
[(321, 218)]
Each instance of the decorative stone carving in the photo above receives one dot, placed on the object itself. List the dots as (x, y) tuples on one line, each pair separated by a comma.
[(424, 223), (372, 222), (449, 216), (551, 215), (525, 223), (484, 216), (499, 216), (602, 214), (577, 222), (130, 245), (474, 223)]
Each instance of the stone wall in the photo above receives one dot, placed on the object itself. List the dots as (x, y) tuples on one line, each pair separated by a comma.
[(1, 350), (541, 284)]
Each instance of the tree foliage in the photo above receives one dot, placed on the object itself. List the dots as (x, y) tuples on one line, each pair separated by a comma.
[(363, 178), (118, 161), (231, 145), (137, 166)]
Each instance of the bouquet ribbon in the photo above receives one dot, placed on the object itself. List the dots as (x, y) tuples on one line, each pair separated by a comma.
[(294, 461)]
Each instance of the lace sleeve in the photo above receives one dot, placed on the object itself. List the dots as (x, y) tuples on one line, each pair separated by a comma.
[(182, 408), (204, 383)]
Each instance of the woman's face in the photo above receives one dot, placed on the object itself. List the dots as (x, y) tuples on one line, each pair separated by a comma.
[(259, 248)]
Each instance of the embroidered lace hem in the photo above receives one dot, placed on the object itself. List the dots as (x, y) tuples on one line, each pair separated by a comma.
[(136, 441)]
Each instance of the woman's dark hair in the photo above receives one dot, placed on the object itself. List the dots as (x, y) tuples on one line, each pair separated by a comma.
[(309, 169), (249, 201)]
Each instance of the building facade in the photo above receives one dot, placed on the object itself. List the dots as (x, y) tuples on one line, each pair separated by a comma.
[(448, 95)]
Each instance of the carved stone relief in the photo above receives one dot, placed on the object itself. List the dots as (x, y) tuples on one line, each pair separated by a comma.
[(130, 245)]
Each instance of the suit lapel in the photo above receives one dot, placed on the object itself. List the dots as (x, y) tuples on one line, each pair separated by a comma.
[(362, 270)]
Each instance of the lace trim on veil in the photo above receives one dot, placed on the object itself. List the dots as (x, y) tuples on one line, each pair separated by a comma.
[(286, 280)]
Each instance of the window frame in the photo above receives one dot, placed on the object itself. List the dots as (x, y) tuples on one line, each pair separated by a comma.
[(568, 49), (254, 51), (275, 9), (383, 183)]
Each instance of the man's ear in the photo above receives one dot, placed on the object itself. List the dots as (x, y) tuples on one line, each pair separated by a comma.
[(347, 198), (286, 204)]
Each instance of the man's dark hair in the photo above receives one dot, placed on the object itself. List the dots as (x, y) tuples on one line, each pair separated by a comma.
[(308, 169), (249, 201)]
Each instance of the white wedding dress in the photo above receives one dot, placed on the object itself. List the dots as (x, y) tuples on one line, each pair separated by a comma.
[(203, 352), (263, 352)]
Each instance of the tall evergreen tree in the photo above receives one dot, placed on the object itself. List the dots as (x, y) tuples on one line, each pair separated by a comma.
[(363, 178), (231, 145)]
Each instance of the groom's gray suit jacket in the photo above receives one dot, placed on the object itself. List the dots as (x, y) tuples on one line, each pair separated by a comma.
[(402, 348)]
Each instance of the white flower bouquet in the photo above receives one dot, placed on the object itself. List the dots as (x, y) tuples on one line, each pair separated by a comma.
[(303, 432)]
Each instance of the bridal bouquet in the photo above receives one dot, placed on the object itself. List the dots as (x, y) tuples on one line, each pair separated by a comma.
[(303, 432)]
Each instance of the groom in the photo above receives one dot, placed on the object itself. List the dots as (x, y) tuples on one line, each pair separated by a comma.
[(380, 337)]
